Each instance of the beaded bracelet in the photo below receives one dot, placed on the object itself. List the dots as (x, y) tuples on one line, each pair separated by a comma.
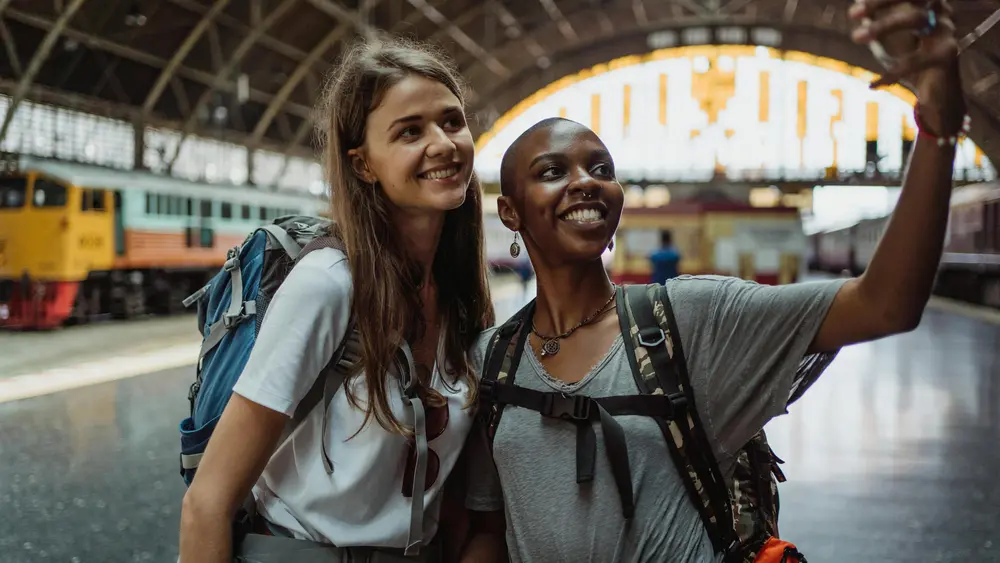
[(942, 141)]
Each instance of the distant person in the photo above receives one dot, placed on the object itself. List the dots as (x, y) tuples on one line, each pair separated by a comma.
[(524, 273), (665, 260)]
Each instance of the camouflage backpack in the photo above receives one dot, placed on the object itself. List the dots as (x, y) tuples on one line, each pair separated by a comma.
[(741, 516)]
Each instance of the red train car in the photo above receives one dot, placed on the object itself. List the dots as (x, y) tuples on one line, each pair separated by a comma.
[(970, 263)]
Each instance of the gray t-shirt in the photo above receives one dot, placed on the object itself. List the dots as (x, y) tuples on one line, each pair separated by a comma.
[(743, 343)]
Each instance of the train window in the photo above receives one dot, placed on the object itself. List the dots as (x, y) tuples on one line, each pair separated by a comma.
[(996, 225), (190, 207), (992, 225), (48, 194), (164, 205), (263, 213), (149, 204), (100, 200), (12, 192), (227, 210), (246, 212), (92, 200), (206, 208)]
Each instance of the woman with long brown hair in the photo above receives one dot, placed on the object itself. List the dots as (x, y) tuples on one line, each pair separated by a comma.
[(410, 282)]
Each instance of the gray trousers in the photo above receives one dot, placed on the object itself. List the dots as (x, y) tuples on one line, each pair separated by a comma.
[(257, 548)]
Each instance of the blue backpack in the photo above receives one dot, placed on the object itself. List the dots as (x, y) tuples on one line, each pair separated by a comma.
[(231, 308)]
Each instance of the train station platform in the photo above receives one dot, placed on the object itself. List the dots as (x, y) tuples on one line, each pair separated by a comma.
[(892, 456)]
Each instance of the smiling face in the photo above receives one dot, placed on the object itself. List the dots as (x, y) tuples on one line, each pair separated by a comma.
[(418, 147), (564, 198)]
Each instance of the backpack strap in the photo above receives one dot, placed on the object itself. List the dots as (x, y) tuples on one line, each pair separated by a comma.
[(240, 310), (502, 358), (659, 368), (344, 359), (325, 241), (292, 248), (330, 379), (497, 390)]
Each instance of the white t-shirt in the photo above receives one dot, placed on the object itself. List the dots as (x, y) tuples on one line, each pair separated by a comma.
[(361, 503)]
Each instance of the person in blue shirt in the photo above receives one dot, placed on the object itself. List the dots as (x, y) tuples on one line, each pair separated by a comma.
[(665, 260)]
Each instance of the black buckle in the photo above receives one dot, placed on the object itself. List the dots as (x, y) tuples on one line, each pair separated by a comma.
[(193, 394), (678, 403), (487, 392), (650, 337), (566, 407)]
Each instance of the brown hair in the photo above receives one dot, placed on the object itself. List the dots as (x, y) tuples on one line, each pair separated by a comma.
[(386, 301)]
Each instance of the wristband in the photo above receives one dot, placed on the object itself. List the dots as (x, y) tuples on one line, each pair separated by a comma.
[(950, 140)]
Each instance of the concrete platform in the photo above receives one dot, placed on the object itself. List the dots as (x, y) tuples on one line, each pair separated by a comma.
[(892, 456)]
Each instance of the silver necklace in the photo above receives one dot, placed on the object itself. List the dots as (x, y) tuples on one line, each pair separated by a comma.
[(550, 344)]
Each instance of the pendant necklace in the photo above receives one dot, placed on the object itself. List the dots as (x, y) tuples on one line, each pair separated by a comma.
[(550, 344)]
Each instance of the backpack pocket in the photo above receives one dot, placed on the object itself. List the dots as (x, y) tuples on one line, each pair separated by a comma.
[(779, 551), (194, 440)]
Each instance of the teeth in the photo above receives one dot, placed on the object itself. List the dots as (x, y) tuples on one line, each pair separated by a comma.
[(584, 215), (439, 174)]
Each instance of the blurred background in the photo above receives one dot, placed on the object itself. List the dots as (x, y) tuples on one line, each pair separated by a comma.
[(141, 139)]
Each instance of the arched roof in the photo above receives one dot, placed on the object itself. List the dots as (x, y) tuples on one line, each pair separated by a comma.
[(171, 62)]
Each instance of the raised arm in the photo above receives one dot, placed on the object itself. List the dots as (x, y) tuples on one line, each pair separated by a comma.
[(890, 296)]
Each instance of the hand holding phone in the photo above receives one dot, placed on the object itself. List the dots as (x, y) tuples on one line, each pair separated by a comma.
[(915, 41), (906, 36)]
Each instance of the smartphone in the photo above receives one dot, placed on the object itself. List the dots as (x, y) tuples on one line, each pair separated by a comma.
[(891, 47)]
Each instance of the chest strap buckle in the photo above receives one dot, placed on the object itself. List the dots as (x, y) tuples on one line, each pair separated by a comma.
[(566, 407)]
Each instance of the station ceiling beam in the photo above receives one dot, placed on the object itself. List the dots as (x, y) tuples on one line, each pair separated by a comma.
[(37, 60), (300, 72), (459, 36), (136, 55), (167, 74), (223, 74), (266, 40)]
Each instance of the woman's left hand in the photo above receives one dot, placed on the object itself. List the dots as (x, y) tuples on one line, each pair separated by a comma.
[(924, 34)]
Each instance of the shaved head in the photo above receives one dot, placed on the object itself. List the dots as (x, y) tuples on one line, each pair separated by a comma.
[(508, 164), (554, 169)]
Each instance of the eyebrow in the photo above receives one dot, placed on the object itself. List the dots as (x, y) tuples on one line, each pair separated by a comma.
[(412, 118), (554, 155)]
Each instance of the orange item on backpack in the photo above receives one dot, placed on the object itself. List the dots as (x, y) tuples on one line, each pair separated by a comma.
[(779, 551)]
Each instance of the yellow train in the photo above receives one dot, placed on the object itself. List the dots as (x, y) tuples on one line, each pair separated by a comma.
[(78, 241)]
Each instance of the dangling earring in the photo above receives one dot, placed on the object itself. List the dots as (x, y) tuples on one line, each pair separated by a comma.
[(515, 248)]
